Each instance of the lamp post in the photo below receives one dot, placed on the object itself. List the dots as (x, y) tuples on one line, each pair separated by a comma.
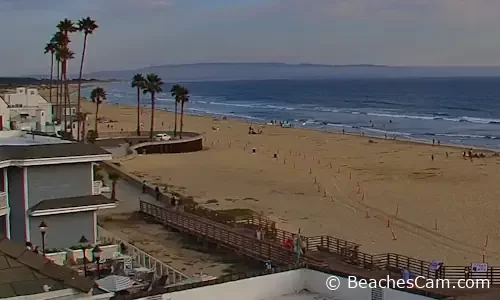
[(97, 256), (43, 230), (84, 243)]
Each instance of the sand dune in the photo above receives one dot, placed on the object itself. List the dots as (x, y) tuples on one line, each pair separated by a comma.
[(336, 184)]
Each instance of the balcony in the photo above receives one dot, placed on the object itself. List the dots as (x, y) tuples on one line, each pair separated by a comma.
[(4, 206)]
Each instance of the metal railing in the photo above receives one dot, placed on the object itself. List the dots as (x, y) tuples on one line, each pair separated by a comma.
[(142, 258)]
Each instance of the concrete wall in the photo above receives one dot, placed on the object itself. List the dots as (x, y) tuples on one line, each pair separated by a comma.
[(174, 146), (64, 230), (275, 285), (17, 205), (59, 181)]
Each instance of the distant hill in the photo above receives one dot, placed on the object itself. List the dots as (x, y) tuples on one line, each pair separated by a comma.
[(34, 80), (259, 71)]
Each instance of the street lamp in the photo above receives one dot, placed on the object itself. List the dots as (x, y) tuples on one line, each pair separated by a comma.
[(84, 243), (43, 230), (97, 256)]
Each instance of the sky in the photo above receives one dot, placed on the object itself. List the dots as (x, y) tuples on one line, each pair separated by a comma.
[(140, 33)]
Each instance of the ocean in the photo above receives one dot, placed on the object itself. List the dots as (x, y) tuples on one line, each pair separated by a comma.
[(458, 111)]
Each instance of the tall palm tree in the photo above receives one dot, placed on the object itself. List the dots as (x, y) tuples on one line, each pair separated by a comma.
[(59, 39), (138, 82), (65, 55), (184, 98), (87, 26), (51, 48), (175, 92), (66, 27), (153, 85), (98, 95)]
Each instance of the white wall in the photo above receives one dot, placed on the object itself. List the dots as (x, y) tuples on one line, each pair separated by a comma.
[(274, 285)]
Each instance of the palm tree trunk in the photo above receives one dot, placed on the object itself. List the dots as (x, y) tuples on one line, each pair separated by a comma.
[(63, 97), (51, 78), (83, 130), (182, 119), (175, 119), (60, 100), (152, 116), (57, 93), (138, 111), (67, 99), (96, 116), (80, 84)]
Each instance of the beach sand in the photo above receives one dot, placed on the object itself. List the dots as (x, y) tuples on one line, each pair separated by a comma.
[(333, 184)]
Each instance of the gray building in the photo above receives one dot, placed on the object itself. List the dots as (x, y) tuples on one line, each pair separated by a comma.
[(53, 183)]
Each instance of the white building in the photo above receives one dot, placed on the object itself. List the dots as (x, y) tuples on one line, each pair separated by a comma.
[(25, 109), (301, 284)]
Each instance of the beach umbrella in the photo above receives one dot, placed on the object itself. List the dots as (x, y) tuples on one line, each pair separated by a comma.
[(115, 283)]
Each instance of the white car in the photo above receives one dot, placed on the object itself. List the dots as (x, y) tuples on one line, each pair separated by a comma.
[(162, 137)]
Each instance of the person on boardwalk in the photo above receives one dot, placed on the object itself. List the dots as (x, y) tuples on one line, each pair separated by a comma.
[(144, 186), (157, 193)]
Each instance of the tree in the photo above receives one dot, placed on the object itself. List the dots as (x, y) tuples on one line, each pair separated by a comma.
[(87, 26), (152, 85), (183, 98), (113, 177), (66, 27), (66, 54), (60, 40), (98, 95), (175, 92), (51, 48), (138, 82)]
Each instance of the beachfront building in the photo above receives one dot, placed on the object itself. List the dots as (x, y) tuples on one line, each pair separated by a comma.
[(50, 180), (25, 109)]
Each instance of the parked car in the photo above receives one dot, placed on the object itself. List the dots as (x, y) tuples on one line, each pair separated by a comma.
[(162, 137)]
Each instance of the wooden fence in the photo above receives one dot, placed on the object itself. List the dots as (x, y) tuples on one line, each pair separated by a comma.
[(271, 249)]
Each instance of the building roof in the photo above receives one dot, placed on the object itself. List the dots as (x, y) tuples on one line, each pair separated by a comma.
[(23, 272), (22, 152), (81, 201)]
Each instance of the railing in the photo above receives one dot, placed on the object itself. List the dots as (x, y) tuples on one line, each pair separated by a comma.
[(142, 258), (341, 250), (3, 200), (223, 235)]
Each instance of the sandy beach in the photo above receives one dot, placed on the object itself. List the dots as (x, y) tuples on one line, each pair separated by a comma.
[(349, 187)]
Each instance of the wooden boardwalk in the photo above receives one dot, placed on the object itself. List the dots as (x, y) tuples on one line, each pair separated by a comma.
[(321, 251)]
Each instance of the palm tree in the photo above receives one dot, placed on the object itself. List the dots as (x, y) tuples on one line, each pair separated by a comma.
[(66, 27), (65, 54), (87, 26), (184, 98), (98, 95), (153, 85), (138, 82), (113, 177), (59, 39), (174, 91), (51, 48)]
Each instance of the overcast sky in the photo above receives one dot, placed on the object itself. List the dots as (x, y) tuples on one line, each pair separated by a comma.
[(138, 33)]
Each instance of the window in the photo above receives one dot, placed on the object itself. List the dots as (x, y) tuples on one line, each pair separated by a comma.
[(32, 92)]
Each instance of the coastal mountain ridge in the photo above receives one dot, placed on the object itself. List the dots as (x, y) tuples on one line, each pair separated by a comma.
[(276, 70)]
